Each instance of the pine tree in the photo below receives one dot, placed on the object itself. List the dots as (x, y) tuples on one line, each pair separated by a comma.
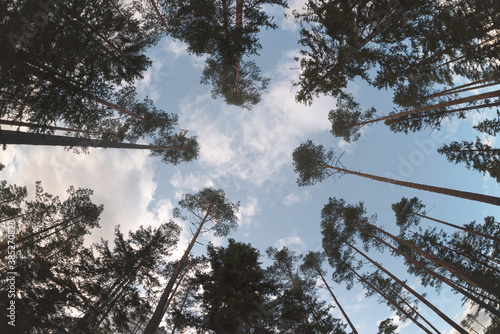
[(236, 291), (476, 155), (207, 206), (314, 164)]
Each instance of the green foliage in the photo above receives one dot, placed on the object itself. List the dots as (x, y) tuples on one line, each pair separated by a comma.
[(240, 90), (345, 118), (211, 28), (309, 162), (236, 291), (405, 212), (476, 155), (298, 307), (52, 232), (387, 327), (212, 202)]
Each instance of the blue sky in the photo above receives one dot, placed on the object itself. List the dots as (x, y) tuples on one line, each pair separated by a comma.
[(248, 155)]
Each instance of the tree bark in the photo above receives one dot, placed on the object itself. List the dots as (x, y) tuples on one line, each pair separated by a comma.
[(420, 297), (426, 269), (336, 301), (446, 191), (25, 138), (392, 301), (160, 310), (472, 98), (484, 235)]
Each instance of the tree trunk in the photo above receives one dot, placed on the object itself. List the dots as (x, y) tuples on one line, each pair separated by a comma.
[(420, 297), (238, 24), (295, 287), (465, 87), (182, 307), (34, 234), (392, 301), (54, 78), (459, 227), (472, 98), (25, 138), (160, 310), (49, 127), (159, 14), (446, 191), (336, 301), (452, 269), (427, 270)]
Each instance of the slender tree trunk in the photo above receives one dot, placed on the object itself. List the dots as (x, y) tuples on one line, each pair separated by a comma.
[(184, 300), (446, 191), (295, 287), (152, 2), (160, 310), (465, 87), (336, 301), (172, 295), (420, 297), (238, 24), (450, 111), (25, 138), (32, 235), (18, 216), (426, 269), (484, 235), (110, 304), (43, 127), (45, 73), (472, 98), (452, 269), (391, 301)]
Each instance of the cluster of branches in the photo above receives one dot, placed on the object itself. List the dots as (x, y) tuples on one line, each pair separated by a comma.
[(416, 48), (71, 66), (225, 31)]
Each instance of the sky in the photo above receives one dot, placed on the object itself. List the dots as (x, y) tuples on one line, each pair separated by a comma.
[(248, 154)]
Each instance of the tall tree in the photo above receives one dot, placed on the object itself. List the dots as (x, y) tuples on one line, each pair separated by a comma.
[(402, 39), (207, 206), (45, 288), (312, 265), (476, 155), (236, 291), (314, 164), (299, 308), (173, 149), (339, 238), (226, 31), (116, 276)]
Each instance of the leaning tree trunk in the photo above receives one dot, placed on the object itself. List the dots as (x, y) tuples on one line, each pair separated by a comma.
[(391, 301), (472, 98), (443, 279), (336, 301), (34, 234), (25, 138), (446, 191), (160, 310), (468, 230), (416, 294)]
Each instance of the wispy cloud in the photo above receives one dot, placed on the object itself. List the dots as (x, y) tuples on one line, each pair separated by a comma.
[(254, 146)]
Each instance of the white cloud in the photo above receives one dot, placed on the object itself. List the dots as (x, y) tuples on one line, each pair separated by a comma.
[(291, 199), (191, 182), (288, 241), (122, 180), (247, 212), (255, 145), (176, 48)]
